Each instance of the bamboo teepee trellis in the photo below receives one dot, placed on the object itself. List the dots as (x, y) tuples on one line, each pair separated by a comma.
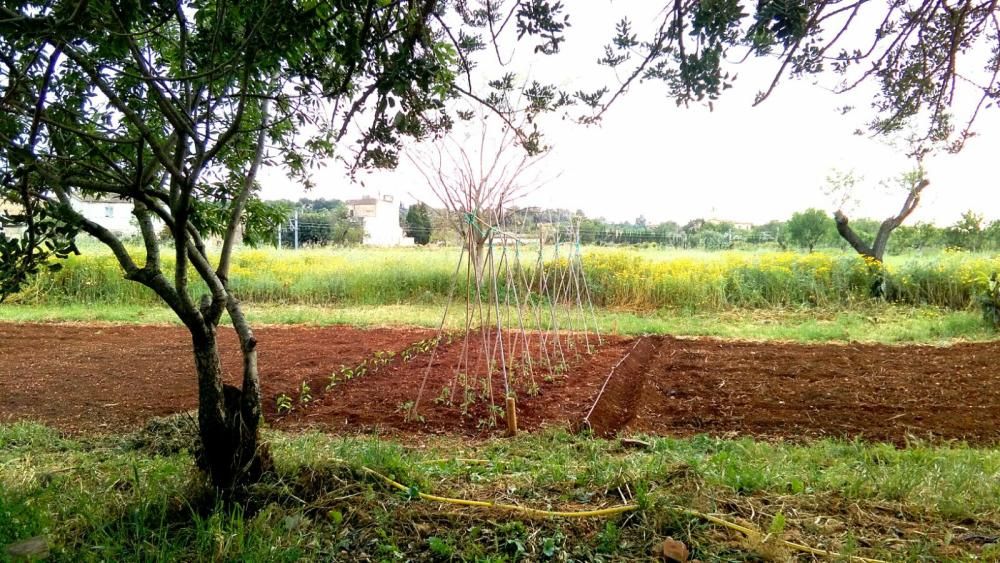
[(527, 315)]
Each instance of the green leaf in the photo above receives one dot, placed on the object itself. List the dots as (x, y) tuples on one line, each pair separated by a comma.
[(777, 524), (335, 516)]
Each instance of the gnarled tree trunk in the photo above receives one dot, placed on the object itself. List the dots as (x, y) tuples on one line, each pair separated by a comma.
[(876, 251), (229, 417)]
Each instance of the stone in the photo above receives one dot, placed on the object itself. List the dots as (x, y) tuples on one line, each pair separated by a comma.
[(30, 549), (674, 551)]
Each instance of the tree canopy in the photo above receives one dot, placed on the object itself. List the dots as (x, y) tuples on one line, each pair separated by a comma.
[(418, 223), (806, 228)]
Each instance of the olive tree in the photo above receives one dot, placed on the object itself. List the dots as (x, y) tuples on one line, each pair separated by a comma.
[(924, 64), (911, 183)]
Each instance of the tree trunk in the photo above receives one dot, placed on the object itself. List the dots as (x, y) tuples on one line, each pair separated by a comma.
[(874, 252), (479, 258), (852, 238), (228, 419)]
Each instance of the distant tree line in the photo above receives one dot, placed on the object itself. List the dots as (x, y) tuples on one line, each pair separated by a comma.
[(815, 228), (324, 222)]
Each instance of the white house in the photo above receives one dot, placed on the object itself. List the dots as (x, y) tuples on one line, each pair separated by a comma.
[(112, 213), (12, 231), (380, 216)]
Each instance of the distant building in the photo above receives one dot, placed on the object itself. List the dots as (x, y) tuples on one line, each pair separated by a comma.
[(111, 212), (380, 216), (10, 230), (736, 225)]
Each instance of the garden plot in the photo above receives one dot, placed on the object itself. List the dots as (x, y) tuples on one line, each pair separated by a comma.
[(109, 378), (105, 378)]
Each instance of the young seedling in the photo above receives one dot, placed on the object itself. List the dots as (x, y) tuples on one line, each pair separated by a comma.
[(444, 398), (305, 394), (284, 404)]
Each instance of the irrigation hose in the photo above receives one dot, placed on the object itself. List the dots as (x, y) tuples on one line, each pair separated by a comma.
[(749, 532), (503, 506)]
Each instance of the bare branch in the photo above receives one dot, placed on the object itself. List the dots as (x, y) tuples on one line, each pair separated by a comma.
[(240, 201)]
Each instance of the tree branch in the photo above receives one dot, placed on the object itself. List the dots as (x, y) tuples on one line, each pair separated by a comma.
[(851, 237)]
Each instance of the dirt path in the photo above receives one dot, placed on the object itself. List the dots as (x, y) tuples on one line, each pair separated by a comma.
[(109, 378)]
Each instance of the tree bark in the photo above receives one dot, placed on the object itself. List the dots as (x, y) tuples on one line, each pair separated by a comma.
[(852, 238), (478, 256), (228, 417)]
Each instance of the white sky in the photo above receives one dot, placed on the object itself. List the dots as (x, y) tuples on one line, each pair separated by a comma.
[(651, 158)]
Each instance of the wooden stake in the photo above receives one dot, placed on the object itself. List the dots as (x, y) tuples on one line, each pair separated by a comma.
[(511, 416)]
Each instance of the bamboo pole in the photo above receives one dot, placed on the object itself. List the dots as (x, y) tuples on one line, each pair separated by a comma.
[(511, 416)]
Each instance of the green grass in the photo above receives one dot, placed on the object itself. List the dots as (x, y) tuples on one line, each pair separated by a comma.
[(125, 498), (878, 323)]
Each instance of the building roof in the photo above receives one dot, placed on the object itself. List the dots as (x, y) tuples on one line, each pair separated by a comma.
[(363, 201), (106, 198)]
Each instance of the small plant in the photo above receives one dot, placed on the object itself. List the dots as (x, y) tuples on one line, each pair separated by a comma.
[(444, 397), (284, 404), (608, 539), (407, 409), (468, 393), (777, 524), (441, 548), (305, 393), (381, 358), (332, 382), (989, 302), (552, 545)]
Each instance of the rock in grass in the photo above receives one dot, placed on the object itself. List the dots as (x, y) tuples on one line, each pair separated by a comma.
[(30, 549), (674, 551)]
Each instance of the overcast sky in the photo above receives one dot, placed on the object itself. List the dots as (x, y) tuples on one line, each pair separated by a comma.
[(651, 158)]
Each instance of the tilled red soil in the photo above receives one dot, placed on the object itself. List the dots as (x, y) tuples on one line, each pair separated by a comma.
[(100, 378), (383, 400), (84, 379), (790, 390)]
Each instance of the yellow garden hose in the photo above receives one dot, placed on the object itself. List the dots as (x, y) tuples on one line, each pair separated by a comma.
[(749, 532), (504, 506)]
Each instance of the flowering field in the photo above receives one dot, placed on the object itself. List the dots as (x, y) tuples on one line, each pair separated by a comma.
[(634, 279)]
